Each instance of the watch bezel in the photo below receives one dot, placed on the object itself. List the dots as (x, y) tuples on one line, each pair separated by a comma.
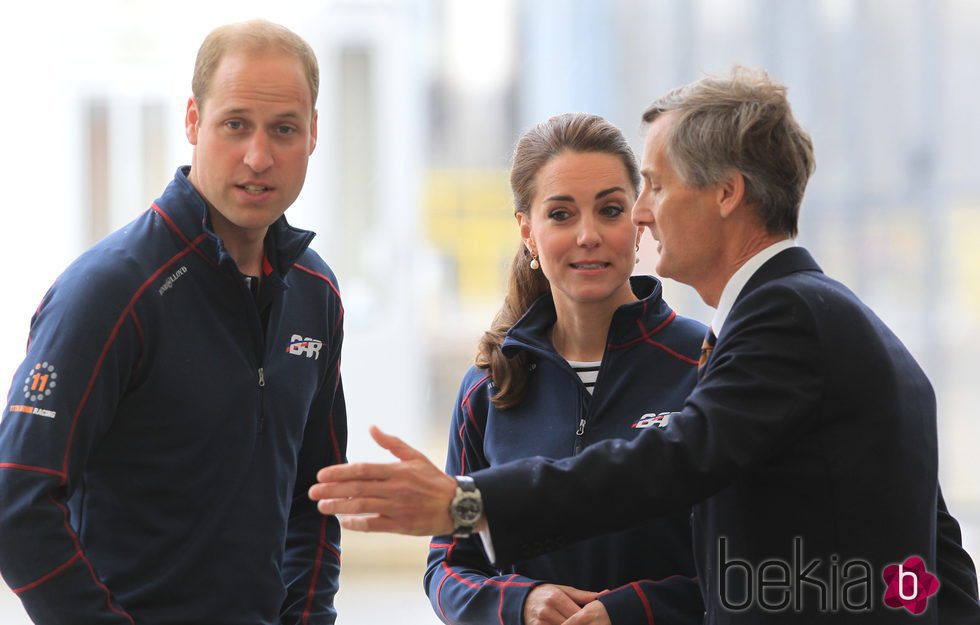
[(466, 509)]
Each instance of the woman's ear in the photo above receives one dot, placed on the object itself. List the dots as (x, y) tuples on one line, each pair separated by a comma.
[(525, 225)]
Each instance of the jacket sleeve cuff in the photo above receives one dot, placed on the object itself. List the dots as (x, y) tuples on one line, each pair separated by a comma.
[(627, 605), (513, 595), (675, 600)]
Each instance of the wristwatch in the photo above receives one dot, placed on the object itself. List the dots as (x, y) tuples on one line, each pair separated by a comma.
[(466, 508)]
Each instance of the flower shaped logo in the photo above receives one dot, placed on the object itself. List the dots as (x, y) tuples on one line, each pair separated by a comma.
[(909, 585)]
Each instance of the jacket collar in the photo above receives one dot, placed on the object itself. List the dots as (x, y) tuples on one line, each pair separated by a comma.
[(187, 213), (782, 264), (630, 321)]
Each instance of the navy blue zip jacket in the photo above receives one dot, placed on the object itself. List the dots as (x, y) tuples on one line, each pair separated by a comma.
[(159, 438), (649, 367)]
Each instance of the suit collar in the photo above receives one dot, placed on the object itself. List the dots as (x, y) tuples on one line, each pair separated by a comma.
[(737, 282), (788, 260)]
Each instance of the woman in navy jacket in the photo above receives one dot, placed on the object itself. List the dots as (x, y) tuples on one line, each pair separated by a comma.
[(579, 352)]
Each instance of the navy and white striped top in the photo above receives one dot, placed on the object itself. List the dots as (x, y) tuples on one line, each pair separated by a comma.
[(587, 372)]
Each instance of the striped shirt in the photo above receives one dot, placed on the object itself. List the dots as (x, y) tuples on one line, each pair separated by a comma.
[(587, 372)]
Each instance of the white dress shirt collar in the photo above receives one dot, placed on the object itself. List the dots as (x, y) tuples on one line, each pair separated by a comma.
[(738, 281)]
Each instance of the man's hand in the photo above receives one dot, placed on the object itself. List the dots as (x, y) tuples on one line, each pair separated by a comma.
[(407, 497), (551, 604)]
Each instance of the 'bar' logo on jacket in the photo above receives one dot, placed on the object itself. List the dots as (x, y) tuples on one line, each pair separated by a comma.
[(651, 419), (304, 346)]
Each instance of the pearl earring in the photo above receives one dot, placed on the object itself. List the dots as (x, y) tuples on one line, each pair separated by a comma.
[(534, 263)]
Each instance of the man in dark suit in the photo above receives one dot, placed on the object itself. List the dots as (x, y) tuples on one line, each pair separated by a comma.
[(808, 448)]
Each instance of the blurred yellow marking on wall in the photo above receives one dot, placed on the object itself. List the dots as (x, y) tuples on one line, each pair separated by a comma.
[(964, 257), (470, 219)]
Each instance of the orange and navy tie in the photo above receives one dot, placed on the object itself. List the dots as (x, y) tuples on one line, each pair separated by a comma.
[(707, 347)]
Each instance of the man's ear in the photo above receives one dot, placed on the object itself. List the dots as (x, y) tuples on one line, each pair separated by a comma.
[(525, 225), (730, 193), (192, 120), (313, 132)]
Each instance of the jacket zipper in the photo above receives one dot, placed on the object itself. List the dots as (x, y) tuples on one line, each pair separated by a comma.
[(256, 324), (584, 421)]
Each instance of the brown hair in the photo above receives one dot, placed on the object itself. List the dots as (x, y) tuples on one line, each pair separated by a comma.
[(253, 36), (740, 122), (570, 132)]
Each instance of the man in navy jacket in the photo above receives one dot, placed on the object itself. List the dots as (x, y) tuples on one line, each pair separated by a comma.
[(182, 383), (808, 447)]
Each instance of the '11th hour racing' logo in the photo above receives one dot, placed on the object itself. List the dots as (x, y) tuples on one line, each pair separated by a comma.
[(38, 386)]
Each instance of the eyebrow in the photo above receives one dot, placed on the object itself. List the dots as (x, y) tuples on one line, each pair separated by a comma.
[(599, 195)]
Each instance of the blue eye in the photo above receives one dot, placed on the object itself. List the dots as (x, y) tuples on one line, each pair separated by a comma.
[(285, 130), (234, 125)]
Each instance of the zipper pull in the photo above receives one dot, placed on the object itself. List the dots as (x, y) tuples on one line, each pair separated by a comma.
[(261, 376), (581, 428)]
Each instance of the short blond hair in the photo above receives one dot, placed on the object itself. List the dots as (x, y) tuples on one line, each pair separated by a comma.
[(253, 36), (742, 122)]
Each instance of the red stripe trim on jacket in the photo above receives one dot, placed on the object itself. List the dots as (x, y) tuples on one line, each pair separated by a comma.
[(644, 601), (311, 593), (644, 334), (677, 355), (466, 403), (170, 222), (81, 554), (333, 287), (645, 337), (470, 418), (50, 575), (110, 340), (500, 607), (442, 613), (24, 467), (487, 582), (451, 574)]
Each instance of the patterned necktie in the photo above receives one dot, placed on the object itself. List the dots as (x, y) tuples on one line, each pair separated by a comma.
[(707, 347)]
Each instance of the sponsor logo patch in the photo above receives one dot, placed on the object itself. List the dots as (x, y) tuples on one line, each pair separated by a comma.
[(41, 412), (304, 346), (659, 419), (169, 282), (40, 382)]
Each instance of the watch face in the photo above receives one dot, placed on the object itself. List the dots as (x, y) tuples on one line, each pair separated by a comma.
[(468, 510)]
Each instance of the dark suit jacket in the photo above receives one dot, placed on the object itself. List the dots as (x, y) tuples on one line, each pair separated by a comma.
[(808, 450)]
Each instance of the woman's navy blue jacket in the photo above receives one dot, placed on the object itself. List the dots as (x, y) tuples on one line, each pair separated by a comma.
[(161, 435), (649, 367)]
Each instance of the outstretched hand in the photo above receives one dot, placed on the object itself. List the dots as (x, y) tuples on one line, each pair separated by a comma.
[(411, 496)]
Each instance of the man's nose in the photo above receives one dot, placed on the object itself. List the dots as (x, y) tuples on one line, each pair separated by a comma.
[(640, 214), (258, 155)]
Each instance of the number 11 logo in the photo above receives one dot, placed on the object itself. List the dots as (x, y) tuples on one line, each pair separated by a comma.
[(41, 382)]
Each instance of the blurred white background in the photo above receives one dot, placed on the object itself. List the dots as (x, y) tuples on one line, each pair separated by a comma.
[(420, 103)]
